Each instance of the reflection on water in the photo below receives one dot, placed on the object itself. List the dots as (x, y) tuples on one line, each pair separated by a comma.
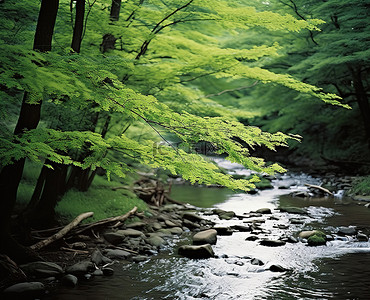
[(339, 270)]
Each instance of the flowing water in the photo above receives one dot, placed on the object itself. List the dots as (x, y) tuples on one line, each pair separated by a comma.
[(339, 270)]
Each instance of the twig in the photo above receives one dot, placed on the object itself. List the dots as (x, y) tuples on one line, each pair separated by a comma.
[(62, 232), (319, 188)]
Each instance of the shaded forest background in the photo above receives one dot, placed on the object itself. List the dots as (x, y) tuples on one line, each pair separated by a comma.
[(110, 87)]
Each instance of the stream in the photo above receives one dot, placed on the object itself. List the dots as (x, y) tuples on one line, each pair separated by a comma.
[(338, 270)]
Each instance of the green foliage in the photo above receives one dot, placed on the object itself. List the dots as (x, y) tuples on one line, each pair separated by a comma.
[(361, 186), (150, 79)]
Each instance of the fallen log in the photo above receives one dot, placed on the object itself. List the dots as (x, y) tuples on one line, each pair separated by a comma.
[(61, 233), (106, 221), (319, 188)]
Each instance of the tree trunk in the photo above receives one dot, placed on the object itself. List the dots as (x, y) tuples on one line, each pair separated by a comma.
[(29, 118), (79, 25), (115, 10), (362, 100)]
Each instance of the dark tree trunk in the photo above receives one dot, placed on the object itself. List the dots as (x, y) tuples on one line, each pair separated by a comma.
[(52, 183), (362, 100), (115, 10), (79, 25), (29, 118)]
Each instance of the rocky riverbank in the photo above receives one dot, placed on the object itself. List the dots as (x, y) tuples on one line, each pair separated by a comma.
[(186, 230)]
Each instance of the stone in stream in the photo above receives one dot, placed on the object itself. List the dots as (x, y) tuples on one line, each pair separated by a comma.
[(69, 280), (277, 268), (114, 237), (190, 224), (155, 240), (135, 225), (107, 271), (272, 243), (227, 215), (117, 254), (81, 268), (205, 237), (242, 228), (257, 262), (170, 223), (293, 210), (361, 198), (316, 240), (176, 230), (25, 290), (192, 251), (347, 230), (306, 234), (192, 217), (296, 221), (252, 238), (223, 230), (362, 237), (264, 210), (99, 259), (42, 269)]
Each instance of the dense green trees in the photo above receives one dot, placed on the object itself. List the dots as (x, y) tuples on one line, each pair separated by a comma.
[(138, 65), (335, 59)]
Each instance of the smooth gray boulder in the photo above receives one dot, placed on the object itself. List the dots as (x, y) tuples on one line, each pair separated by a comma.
[(42, 269), (264, 210), (205, 237), (155, 240), (192, 251), (257, 262), (25, 290), (99, 259), (293, 210), (277, 268), (117, 254), (81, 268), (306, 234), (192, 217), (347, 230), (362, 237)]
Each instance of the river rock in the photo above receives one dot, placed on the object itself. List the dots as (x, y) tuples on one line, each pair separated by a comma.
[(272, 243), (176, 230), (277, 268), (316, 240), (242, 228), (293, 210), (156, 226), (155, 240), (252, 238), (189, 224), (98, 272), (192, 217), (81, 268), (42, 269), (306, 234), (264, 210), (24, 290), (117, 254), (227, 215), (99, 259), (136, 225), (107, 271), (192, 251), (205, 237), (114, 237), (347, 230), (257, 262), (69, 280), (296, 221), (362, 237), (140, 258), (9, 272), (170, 223), (223, 230)]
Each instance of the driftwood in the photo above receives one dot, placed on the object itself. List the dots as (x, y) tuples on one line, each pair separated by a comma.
[(319, 188), (105, 221), (62, 232)]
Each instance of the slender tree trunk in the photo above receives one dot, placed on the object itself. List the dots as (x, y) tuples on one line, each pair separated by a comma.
[(362, 100), (29, 118), (79, 25), (115, 10)]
